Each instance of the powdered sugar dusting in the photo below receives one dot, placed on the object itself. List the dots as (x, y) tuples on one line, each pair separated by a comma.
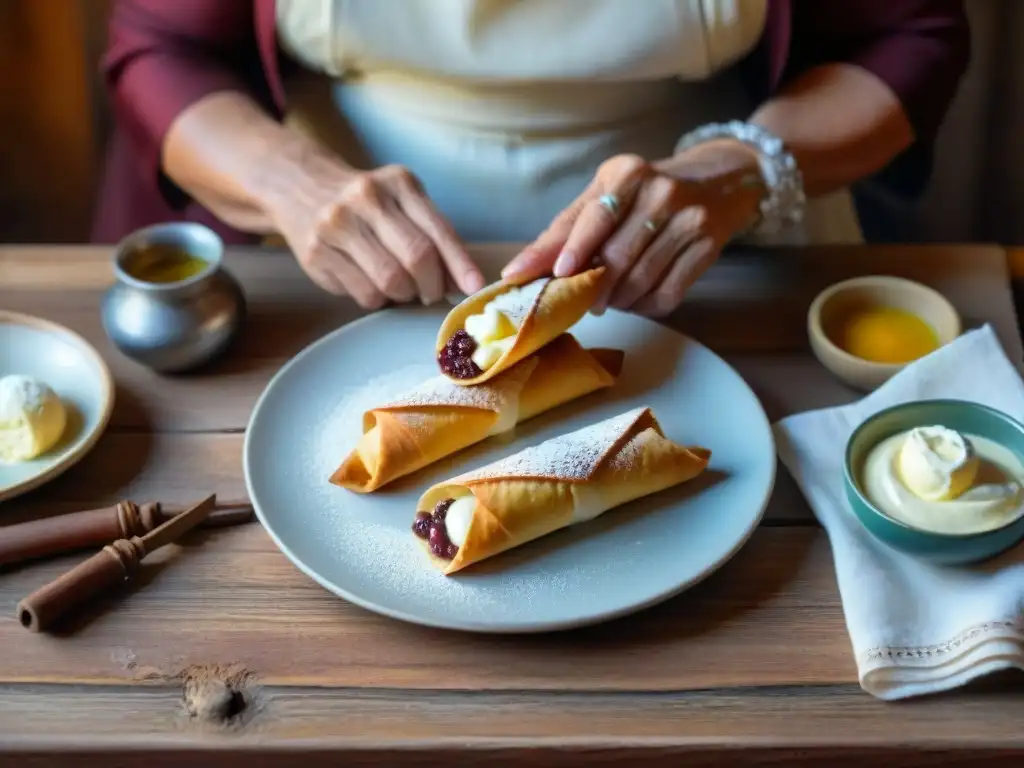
[(375, 528), (494, 395), (517, 303), (627, 456), (571, 457), (401, 564), (338, 432)]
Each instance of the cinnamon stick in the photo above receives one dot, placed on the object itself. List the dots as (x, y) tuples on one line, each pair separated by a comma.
[(113, 565), (224, 514), (96, 527)]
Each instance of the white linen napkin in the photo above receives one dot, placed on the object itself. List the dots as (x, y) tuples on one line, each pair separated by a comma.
[(915, 628)]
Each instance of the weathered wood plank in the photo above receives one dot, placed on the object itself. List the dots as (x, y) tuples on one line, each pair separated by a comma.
[(548, 755), (141, 466), (164, 715), (769, 617)]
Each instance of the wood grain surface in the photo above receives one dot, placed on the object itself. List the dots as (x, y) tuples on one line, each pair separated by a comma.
[(224, 653)]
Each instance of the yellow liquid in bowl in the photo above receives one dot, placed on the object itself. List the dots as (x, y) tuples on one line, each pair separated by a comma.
[(164, 264), (884, 335)]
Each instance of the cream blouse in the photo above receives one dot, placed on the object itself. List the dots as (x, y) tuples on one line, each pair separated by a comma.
[(504, 108)]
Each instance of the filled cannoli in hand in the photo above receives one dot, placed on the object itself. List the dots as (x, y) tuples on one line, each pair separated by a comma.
[(494, 329), (564, 481), (439, 418)]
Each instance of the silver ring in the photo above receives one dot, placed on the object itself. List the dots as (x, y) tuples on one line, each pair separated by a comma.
[(651, 225), (611, 202)]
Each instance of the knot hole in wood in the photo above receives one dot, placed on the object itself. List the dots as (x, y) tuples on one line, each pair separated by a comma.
[(215, 698)]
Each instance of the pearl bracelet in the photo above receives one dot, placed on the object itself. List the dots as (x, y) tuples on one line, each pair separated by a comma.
[(785, 202)]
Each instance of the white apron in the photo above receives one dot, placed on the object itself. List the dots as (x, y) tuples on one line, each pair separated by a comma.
[(505, 108)]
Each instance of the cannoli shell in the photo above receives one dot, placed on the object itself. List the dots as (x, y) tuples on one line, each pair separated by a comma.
[(541, 489), (558, 304), (438, 418)]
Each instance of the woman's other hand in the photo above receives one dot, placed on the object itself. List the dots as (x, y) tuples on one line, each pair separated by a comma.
[(655, 227), (375, 236)]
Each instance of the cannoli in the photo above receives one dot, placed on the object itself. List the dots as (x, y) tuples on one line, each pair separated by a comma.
[(439, 418), (494, 329), (564, 481)]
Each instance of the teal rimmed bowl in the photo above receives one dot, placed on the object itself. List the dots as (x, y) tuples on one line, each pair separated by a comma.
[(963, 416)]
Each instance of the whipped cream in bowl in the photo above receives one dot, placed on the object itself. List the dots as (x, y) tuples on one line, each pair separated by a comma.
[(941, 480), (936, 463)]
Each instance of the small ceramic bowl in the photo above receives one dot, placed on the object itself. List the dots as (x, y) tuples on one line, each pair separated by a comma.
[(172, 327), (963, 416), (879, 290)]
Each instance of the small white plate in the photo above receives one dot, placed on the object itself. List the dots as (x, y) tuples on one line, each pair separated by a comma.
[(360, 546), (75, 371)]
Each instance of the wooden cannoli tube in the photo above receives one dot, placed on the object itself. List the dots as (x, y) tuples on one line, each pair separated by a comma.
[(77, 530), (96, 527), (229, 512), (113, 565)]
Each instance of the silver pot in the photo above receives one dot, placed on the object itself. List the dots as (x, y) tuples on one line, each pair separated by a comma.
[(173, 327)]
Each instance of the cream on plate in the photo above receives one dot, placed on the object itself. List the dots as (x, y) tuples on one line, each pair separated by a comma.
[(937, 479)]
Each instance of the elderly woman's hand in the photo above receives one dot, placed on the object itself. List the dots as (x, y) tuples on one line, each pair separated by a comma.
[(375, 236), (655, 227)]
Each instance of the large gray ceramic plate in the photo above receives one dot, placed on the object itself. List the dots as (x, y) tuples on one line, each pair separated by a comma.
[(361, 548)]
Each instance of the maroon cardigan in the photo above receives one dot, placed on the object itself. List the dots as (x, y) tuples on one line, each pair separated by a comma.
[(164, 55)]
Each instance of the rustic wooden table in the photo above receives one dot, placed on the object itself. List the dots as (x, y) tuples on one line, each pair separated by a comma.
[(751, 667)]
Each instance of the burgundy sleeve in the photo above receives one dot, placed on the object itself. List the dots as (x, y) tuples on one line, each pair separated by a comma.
[(164, 55), (919, 48)]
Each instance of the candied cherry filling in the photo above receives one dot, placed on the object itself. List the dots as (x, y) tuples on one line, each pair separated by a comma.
[(456, 358), (430, 526)]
